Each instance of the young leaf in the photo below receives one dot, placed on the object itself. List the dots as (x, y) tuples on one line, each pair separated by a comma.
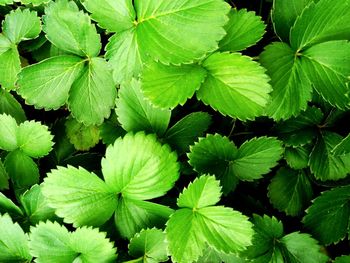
[(4, 178), (135, 113), (291, 86), (149, 245), (320, 22), (8, 131), (13, 241), (51, 242), (235, 86), (10, 106), (70, 29), (328, 217), (298, 157), (167, 86), (243, 30), (290, 191)]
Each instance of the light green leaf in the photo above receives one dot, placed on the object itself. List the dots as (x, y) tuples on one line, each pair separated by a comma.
[(78, 196), (52, 243), (36, 206), (5, 2), (328, 68), (21, 25), (343, 147), (342, 259), (202, 192), (8, 131), (328, 217), (139, 167), (70, 29), (168, 86), (186, 131), (4, 178), (150, 245), (10, 106), (321, 22), (13, 241), (82, 137), (210, 255), (135, 113), (10, 66), (92, 95), (298, 157), (115, 16), (47, 84), (34, 139), (35, 2), (235, 86), (243, 30), (324, 164), (7, 206), (5, 44), (291, 86), (134, 215), (290, 191), (284, 14)]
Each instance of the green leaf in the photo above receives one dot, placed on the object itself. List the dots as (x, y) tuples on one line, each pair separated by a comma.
[(21, 25), (290, 191), (328, 68), (7, 206), (78, 196), (210, 255), (321, 22), (202, 192), (10, 66), (291, 86), (168, 86), (52, 243), (10, 106), (324, 164), (111, 15), (35, 2), (298, 157), (36, 206), (4, 178), (70, 29), (284, 14), (243, 30), (328, 217), (186, 131), (8, 130), (110, 130), (47, 84), (343, 147), (82, 137), (150, 245), (139, 167), (135, 113), (13, 241), (342, 259), (34, 139), (5, 44), (5, 2), (235, 86), (92, 95)]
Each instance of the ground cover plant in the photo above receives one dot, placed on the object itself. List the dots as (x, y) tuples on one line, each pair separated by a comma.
[(174, 131)]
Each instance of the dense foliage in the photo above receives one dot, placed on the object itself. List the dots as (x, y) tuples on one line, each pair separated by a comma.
[(174, 131)]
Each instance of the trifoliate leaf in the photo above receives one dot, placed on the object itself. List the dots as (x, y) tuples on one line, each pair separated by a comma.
[(328, 217), (139, 167), (342, 259), (4, 178), (319, 22), (135, 113), (10, 66), (328, 68), (324, 164), (13, 241), (8, 131), (204, 191), (21, 25), (92, 95), (10, 106), (298, 157), (149, 245), (134, 215), (167, 86), (82, 137), (235, 86), (36, 206), (34, 139), (115, 16), (243, 30), (301, 130), (284, 14), (50, 242), (291, 86), (70, 29), (343, 147), (290, 191), (47, 84), (186, 131), (7, 206), (78, 196)]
